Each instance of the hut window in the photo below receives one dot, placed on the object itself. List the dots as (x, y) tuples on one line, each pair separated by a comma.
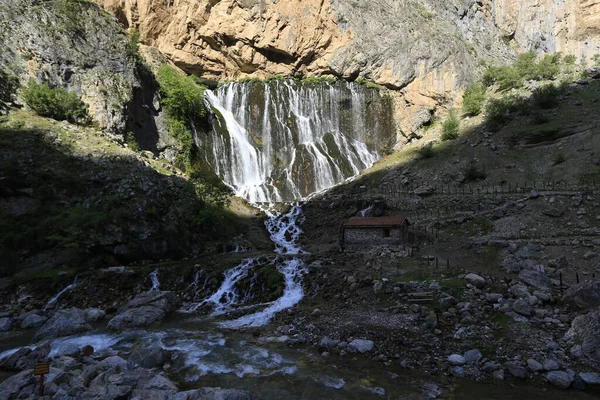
[(386, 233)]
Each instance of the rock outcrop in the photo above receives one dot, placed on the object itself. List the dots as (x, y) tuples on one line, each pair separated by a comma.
[(426, 49), (146, 308)]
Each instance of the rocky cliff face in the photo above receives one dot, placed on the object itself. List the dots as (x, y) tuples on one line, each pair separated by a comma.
[(427, 49)]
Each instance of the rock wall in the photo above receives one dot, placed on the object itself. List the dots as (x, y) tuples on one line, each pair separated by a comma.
[(427, 49)]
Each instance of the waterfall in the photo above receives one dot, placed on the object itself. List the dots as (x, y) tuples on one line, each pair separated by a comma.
[(57, 296), (283, 140), (154, 279)]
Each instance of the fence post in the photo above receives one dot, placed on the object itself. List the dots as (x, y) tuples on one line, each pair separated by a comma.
[(436, 263), (577, 276), (561, 281)]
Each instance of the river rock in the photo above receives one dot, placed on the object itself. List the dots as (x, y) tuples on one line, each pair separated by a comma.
[(327, 343), (516, 370), (591, 378), (147, 356), (361, 345), (475, 280), (146, 308), (522, 307), (490, 367), (33, 321), (64, 323), (537, 279), (447, 301), (94, 314), (456, 359), (493, 297), (459, 372), (551, 365), (585, 329), (585, 295), (10, 363), (5, 324), (212, 394), (559, 378), (10, 388), (534, 366), (473, 356)]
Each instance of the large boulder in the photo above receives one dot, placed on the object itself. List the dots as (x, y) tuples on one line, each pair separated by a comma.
[(212, 394), (361, 345), (475, 280), (585, 295), (10, 388), (522, 307), (143, 310), (537, 279), (585, 329), (5, 324), (559, 378), (147, 356), (64, 323), (33, 321)]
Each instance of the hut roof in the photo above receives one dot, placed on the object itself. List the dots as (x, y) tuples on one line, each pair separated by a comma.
[(375, 222)]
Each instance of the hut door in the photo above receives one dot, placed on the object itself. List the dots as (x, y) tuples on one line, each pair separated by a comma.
[(386, 233)]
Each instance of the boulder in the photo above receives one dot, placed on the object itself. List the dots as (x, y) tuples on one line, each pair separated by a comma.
[(456, 359), (94, 314), (585, 329), (147, 356), (146, 308), (361, 345), (490, 367), (5, 324), (534, 366), (327, 343), (212, 394), (447, 301), (33, 321), (537, 279), (493, 297), (64, 323), (590, 378), (522, 307), (559, 378), (584, 296), (473, 356), (10, 388), (475, 280), (551, 365), (516, 370)]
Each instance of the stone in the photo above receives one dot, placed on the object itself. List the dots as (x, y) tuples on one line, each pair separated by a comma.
[(490, 367), (584, 295), (537, 279), (493, 297), (516, 370), (590, 378), (519, 291), (576, 351), (456, 359), (5, 324), (212, 394), (551, 365), (473, 356), (475, 280), (33, 321), (554, 212), (447, 301), (327, 343), (11, 387), (559, 378), (64, 323), (585, 329), (459, 372), (361, 345), (94, 314), (578, 383), (534, 366), (522, 307), (147, 356), (544, 297), (316, 312), (498, 374), (144, 309)]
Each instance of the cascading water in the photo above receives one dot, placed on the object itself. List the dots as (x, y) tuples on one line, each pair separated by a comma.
[(57, 296), (283, 140)]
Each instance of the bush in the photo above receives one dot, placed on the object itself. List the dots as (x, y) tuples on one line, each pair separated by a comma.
[(131, 141), (473, 171), (569, 59), (546, 97), (450, 127), (427, 150), (474, 99), (8, 86), (497, 113), (211, 189), (183, 100), (133, 44), (505, 77), (596, 59), (56, 103)]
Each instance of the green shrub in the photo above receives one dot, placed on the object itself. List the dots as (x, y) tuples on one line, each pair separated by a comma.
[(546, 97), (211, 189), (473, 171), (427, 150), (183, 100), (131, 141), (8, 86), (56, 103), (596, 59), (450, 127), (504, 76), (133, 45), (569, 59), (497, 113), (548, 67), (474, 99)]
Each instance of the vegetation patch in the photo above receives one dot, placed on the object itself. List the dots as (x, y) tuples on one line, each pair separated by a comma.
[(450, 127), (474, 99), (56, 103)]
